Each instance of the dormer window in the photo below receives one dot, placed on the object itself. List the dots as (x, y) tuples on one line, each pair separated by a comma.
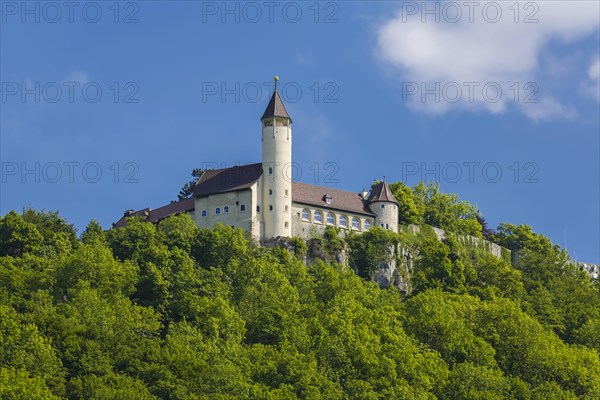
[(327, 199)]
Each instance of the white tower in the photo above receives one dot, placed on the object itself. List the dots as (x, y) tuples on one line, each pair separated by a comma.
[(383, 204), (276, 207)]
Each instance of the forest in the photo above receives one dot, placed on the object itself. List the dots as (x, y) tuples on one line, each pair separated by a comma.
[(171, 311)]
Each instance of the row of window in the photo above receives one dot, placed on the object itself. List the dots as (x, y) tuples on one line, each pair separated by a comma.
[(224, 210), (330, 218)]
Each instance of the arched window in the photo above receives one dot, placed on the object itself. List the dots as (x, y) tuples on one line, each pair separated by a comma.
[(343, 221), (367, 224), (203, 213), (330, 219), (355, 223), (243, 208), (305, 215), (218, 210), (226, 209), (318, 217), (383, 206)]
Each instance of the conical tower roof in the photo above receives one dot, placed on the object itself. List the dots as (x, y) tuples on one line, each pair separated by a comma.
[(382, 192), (275, 108)]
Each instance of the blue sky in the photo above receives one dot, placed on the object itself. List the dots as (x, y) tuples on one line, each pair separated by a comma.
[(108, 108)]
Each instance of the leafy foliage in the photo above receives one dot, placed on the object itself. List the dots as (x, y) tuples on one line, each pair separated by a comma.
[(176, 312)]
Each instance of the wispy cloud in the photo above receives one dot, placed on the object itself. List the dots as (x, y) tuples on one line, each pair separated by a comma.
[(591, 86), (475, 49)]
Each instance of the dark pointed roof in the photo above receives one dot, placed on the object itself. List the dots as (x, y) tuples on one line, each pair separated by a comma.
[(275, 108), (382, 192)]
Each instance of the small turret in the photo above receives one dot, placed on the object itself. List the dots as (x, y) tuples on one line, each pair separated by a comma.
[(383, 204)]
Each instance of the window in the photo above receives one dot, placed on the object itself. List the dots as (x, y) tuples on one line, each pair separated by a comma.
[(305, 215), (344, 221), (318, 217), (387, 226), (287, 209), (355, 223), (243, 208), (286, 192), (327, 198), (382, 225), (383, 206), (270, 170), (257, 208), (367, 224), (330, 219), (270, 192), (226, 209), (204, 213), (270, 208), (287, 224)]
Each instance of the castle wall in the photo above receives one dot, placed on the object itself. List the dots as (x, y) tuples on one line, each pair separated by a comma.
[(490, 247), (235, 216), (307, 229)]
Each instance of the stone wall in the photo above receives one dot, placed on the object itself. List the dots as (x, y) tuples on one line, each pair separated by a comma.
[(486, 245)]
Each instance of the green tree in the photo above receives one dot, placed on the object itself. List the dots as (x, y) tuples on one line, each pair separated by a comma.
[(446, 211), (410, 209), (188, 189), (18, 236)]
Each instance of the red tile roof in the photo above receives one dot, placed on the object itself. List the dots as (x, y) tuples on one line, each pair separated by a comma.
[(156, 215), (341, 200)]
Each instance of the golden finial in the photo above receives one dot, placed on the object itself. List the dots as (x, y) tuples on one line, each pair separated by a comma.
[(275, 78)]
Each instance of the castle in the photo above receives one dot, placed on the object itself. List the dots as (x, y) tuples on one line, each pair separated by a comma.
[(262, 198)]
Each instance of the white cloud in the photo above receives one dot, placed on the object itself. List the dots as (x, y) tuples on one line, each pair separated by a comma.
[(547, 108), (594, 75), (473, 49)]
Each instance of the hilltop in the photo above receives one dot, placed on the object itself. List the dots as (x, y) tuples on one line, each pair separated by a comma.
[(172, 311)]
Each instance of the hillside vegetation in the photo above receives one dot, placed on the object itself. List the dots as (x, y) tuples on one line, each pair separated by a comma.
[(176, 312)]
